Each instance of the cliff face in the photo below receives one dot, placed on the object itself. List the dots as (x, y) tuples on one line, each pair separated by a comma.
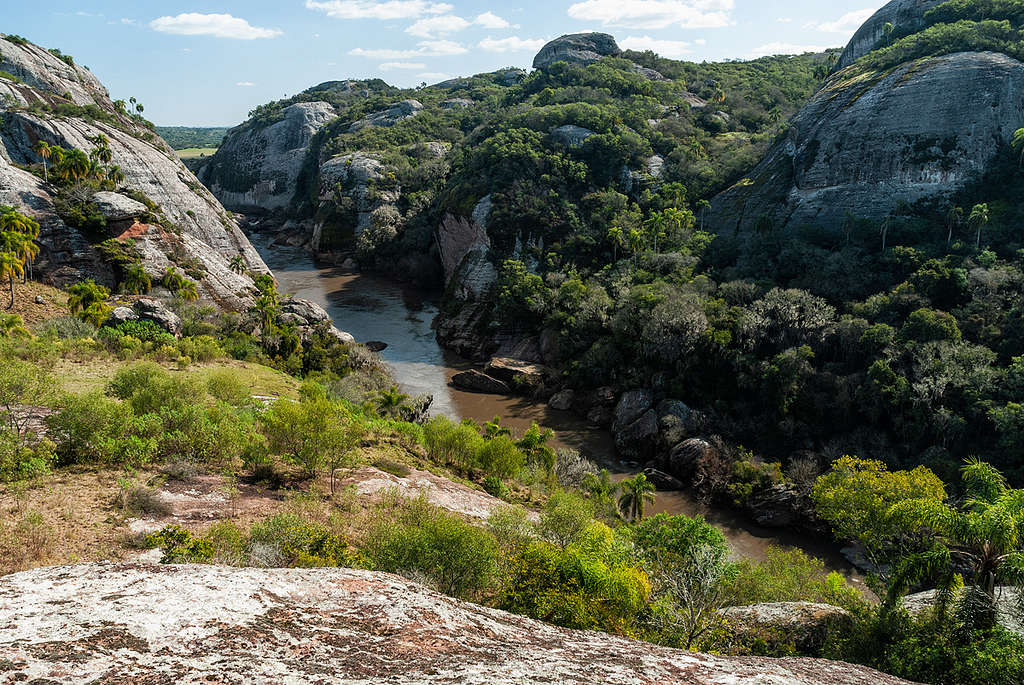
[(866, 144), (257, 167), (906, 16), (133, 623), (36, 107)]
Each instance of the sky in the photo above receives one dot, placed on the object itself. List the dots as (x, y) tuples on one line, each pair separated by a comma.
[(199, 63)]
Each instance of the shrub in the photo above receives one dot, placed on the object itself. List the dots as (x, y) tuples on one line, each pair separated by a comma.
[(789, 576), (19, 461), (500, 457), (457, 444), (66, 328), (145, 330), (228, 387), (493, 486), (410, 536), (675, 539), (302, 543), (180, 547), (85, 425), (142, 500), (565, 517)]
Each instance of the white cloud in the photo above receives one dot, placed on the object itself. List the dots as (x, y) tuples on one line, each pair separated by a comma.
[(434, 76), (701, 41), (217, 25), (656, 14), (390, 66), (433, 26), (848, 23), (126, 21), (779, 48), (785, 20), (427, 48), (512, 44), (666, 48), (245, 84), (490, 20), (371, 9)]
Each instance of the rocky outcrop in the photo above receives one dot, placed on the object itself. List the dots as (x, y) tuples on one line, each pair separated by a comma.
[(397, 112), (576, 48), (570, 135), (474, 380), (150, 623), (203, 232), (116, 207), (147, 309), (354, 175), (1008, 602), (308, 318), (517, 373), (257, 167), (906, 16), (868, 143), (806, 624)]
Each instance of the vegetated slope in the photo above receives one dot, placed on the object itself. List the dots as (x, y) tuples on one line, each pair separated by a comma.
[(355, 627), (184, 137), (45, 97)]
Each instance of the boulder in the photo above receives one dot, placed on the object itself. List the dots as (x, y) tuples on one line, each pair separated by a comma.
[(456, 103), (562, 400), (601, 416), (135, 623), (780, 507), (631, 406), (117, 207), (397, 112), (478, 381), (1007, 603), (635, 440), (663, 481), (571, 135), (309, 318), (683, 459), (805, 624), (149, 309), (576, 48), (121, 315), (516, 372)]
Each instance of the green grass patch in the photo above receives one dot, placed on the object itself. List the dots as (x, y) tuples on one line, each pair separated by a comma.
[(196, 152)]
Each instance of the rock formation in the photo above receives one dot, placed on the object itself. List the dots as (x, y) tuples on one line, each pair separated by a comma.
[(576, 48), (906, 16), (868, 143), (150, 623), (256, 167), (41, 105)]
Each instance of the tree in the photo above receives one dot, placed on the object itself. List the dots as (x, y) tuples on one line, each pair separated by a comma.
[(392, 403), (600, 488), (983, 540), (1018, 146), (703, 206), (137, 280), (636, 493), (615, 237), (237, 264), (855, 497), (10, 267), (689, 594), (11, 326), (953, 217), (115, 175), (978, 219), (86, 300), (42, 148)]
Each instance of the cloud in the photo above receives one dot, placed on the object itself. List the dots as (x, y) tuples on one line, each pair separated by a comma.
[(666, 48), (701, 41), (785, 20), (848, 23), (245, 84), (433, 26), (655, 14), (127, 21), (371, 9), (434, 76), (390, 66), (512, 44), (217, 25), (779, 48), (490, 20), (427, 48)]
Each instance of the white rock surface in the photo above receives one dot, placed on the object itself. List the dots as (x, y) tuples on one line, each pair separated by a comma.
[(121, 623)]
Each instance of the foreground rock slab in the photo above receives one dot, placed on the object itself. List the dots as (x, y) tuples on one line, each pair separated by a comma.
[(187, 624)]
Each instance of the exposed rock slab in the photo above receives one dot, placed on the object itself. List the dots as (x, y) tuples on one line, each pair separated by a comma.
[(906, 16), (866, 144), (191, 624), (576, 48), (117, 207)]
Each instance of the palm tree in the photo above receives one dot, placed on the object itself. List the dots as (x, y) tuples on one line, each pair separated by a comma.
[(636, 493), (115, 175), (102, 153), (237, 264), (600, 487), (703, 206), (953, 218), (25, 249), (10, 266), (42, 148), (266, 307), (979, 217), (188, 292), (82, 296), (984, 538), (74, 165), (655, 226), (172, 279), (886, 225), (392, 403), (137, 280), (615, 237)]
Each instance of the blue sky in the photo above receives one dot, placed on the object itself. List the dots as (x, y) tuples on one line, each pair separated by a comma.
[(208, 63)]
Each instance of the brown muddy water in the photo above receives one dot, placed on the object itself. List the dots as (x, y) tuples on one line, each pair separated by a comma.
[(376, 309)]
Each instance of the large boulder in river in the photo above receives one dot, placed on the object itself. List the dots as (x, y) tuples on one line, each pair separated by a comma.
[(632, 404), (517, 373), (120, 623), (682, 461), (576, 48), (474, 380)]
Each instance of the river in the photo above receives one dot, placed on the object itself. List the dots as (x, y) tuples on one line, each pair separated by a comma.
[(377, 309)]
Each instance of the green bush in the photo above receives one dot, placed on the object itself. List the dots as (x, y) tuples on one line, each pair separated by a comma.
[(675, 539), (413, 536), (493, 486), (67, 328), (19, 461), (457, 444), (500, 457), (789, 576), (302, 543), (180, 547)]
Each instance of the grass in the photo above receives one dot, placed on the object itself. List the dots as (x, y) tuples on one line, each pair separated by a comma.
[(194, 152), (82, 376), (55, 302)]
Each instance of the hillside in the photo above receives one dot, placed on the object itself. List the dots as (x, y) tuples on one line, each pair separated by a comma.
[(184, 137), (150, 195)]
